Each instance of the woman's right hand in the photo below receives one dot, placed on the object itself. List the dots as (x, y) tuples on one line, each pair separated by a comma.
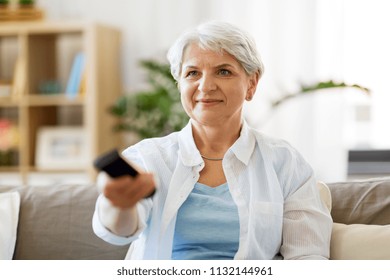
[(124, 192), (117, 211)]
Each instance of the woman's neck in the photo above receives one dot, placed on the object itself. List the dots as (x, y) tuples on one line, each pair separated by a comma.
[(215, 140)]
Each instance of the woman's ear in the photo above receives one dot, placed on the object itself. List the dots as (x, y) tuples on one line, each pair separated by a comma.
[(253, 81)]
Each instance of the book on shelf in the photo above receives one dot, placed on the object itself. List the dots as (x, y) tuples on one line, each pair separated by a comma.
[(83, 83), (75, 80), (19, 79)]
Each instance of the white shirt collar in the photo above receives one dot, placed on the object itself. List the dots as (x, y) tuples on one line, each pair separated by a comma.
[(190, 155), (245, 144)]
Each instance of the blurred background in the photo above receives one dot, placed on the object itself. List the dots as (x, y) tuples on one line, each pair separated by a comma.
[(341, 130)]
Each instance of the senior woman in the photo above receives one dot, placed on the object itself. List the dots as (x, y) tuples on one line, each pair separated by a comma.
[(224, 190)]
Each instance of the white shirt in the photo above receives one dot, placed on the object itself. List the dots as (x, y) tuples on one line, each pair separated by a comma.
[(279, 206)]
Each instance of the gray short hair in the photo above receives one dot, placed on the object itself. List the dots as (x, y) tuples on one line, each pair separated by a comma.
[(218, 36)]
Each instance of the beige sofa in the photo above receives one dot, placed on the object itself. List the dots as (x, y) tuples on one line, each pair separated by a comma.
[(55, 222)]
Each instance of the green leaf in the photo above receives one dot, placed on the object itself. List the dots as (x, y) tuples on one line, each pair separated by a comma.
[(310, 89)]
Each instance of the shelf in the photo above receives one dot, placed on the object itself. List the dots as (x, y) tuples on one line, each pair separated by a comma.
[(52, 100), (54, 171), (9, 169), (21, 14), (8, 102), (42, 27)]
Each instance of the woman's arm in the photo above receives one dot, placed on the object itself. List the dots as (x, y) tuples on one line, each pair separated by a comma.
[(307, 224), (117, 218), (122, 222)]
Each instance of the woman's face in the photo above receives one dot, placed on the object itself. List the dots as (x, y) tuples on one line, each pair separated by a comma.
[(214, 86)]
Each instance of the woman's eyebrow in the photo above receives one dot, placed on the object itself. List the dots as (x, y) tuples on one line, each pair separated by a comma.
[(219, 66), (189, 66), (223, 65)]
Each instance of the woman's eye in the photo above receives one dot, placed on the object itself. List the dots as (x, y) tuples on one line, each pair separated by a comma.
[(191, 73), (224, 72)]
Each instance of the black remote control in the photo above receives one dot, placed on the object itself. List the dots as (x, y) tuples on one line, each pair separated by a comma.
[(115, 165)]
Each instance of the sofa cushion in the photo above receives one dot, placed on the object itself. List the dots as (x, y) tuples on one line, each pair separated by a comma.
[(361, 202), (56, 223), (9, 215), (360, 242)]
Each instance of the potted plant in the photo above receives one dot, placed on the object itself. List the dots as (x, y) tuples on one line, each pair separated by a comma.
[(4, 4), (153, 112), (26, 3)]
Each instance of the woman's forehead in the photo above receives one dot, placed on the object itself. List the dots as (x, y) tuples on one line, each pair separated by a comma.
[(196, 54)]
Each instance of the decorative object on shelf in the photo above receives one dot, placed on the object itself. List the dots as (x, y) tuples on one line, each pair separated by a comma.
[(9, 140), (20, 11), (61, 148), (49, 87), (5, 88), (154, 112)]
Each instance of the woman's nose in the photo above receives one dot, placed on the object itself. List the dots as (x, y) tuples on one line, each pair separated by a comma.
[(207, 84)]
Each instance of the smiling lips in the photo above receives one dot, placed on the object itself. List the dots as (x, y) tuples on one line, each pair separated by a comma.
[(209, 102)]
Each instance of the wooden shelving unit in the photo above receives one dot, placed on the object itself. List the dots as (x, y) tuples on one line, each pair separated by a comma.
[(44, 51)]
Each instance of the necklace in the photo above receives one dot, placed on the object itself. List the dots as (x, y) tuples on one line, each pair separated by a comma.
[(213, 159)]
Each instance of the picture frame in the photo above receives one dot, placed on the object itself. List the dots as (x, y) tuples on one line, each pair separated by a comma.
[(5, 89), (61, 148)]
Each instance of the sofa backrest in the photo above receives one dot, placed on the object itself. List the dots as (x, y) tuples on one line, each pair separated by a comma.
[(55, 223)]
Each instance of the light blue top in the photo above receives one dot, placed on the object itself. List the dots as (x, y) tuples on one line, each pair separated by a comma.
[(207, 225)]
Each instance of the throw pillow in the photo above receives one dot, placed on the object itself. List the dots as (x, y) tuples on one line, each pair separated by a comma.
[(9, 216), (360, 242), (361, 202)]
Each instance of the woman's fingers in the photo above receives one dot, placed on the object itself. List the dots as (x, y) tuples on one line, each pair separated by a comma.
[(125, 191)]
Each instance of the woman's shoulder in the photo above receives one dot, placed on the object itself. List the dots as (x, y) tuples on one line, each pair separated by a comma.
[(284, 157), (268, 141), (277, 150)]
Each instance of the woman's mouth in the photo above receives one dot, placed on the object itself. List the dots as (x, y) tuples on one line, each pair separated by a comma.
[(209, 101)]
